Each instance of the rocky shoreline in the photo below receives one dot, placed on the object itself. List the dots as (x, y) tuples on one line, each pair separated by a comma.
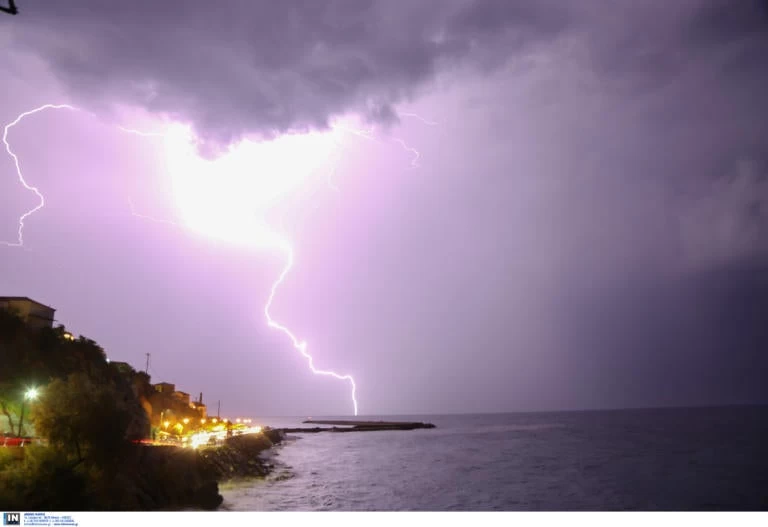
[(239, 457), (172, 478)]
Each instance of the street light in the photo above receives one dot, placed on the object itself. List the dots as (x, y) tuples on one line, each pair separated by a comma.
[(30, 395)]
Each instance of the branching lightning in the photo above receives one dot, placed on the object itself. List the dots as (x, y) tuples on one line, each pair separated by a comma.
[(142, 134), (284, 246), (149, 218), (278, 243), (416, 154), (41, 200), (420, 118)]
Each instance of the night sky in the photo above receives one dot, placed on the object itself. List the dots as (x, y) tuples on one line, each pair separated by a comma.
[(585, 224)]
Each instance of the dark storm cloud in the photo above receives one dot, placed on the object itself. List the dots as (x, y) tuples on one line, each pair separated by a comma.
[(242, 66), (726, 221)]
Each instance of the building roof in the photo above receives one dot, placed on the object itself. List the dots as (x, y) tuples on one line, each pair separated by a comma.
[(22, 298)]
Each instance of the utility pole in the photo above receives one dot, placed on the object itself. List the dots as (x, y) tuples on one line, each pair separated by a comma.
[(146, 370), (218, 411)]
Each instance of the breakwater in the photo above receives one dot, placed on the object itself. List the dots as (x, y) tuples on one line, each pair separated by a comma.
[(339, 425)]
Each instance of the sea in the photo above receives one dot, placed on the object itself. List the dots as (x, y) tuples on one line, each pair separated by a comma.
[(689, 459)]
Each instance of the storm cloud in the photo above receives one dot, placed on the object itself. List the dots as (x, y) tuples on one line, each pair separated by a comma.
[(260, 67)]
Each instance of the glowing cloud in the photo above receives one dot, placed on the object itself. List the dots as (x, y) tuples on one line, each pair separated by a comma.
[(228, 198)]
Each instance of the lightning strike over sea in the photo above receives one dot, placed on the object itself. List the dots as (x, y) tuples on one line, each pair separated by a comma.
[(183, 158)]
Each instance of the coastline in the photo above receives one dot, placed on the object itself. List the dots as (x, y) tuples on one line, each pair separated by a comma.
[(142, 477), (239, 460)]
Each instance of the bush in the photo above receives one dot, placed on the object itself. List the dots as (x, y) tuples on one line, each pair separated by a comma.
[(44, 480), (86, 420)]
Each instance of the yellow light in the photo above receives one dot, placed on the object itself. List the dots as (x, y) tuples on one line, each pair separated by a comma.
[(238, 419), (199, 439), (202, 421), (215, 420), (31, 394), (186, 420), (165, 424)]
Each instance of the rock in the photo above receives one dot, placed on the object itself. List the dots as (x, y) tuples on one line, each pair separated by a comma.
[(207, 496)]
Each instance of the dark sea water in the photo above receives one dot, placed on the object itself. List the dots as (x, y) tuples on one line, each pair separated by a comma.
[(659, 459)]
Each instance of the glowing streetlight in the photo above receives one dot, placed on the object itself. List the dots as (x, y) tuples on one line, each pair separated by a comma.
[(202, 421), (30, 395), (166, 424), (185, 420)]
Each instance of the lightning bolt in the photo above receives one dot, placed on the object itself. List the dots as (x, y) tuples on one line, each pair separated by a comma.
[(369, 135), (416, 153), (140, 133), (41, 199), (419, 117), (149, 218), (129, 200), (283, 245), (300, 346)]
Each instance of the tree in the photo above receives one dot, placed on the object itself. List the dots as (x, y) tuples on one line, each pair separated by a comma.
[(86, 420), (32, 357)]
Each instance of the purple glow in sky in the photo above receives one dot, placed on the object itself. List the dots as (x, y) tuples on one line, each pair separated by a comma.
[(215, 207), (558, 205)]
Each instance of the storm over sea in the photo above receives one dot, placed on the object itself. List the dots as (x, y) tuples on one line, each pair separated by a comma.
[(656, 459)]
